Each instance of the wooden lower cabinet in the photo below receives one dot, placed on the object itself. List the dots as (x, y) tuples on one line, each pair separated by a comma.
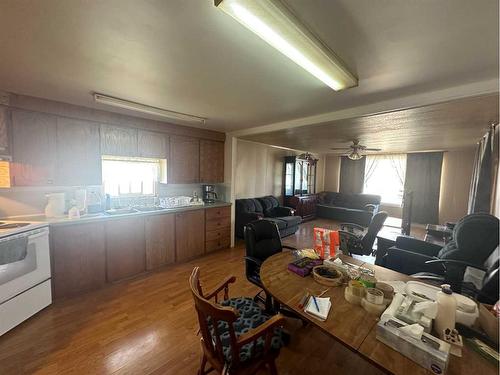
[(189, 234), (78, 258), (160, 240), (125, 248), (217, 228)]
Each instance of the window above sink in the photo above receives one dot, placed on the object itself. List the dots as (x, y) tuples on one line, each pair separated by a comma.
[(132, 176)]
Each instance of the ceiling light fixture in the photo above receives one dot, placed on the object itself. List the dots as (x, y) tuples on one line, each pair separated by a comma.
[(355, 155), (277, 25), (133, 106)]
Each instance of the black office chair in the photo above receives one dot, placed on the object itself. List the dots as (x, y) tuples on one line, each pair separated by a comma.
[(262, 240), (355, 239), (474, 238), (488, 292)]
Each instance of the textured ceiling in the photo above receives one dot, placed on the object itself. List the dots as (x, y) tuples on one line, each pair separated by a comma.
[(444, 126), (188, 56)]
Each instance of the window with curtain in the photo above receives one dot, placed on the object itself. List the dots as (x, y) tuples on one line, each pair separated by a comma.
[(385, 176)]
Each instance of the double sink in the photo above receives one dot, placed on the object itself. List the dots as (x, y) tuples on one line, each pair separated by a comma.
[(132, 210)]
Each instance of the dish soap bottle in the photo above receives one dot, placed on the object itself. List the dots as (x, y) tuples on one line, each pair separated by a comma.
[(447, 308)]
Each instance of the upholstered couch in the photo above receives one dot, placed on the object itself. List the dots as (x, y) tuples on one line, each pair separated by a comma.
[(347, 208), (267, 208)]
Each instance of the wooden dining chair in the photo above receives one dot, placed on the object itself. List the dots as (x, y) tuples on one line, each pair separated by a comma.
[(238, 337)]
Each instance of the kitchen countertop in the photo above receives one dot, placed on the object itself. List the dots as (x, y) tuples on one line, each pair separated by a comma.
[(91, 218)]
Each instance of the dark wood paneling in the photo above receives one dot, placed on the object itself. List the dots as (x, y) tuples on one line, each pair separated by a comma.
[(4, 129), (118, 141), (110, 118), (79, 258), (78, 153), (183, 164), (125, 248), (189, 234), (160, 240), (152, 144), (211, 161), (33, 148)]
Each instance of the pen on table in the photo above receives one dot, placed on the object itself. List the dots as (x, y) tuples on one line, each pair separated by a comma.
[(303, 300), (315, 303)]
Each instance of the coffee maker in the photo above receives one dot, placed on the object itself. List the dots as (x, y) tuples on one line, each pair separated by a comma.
[(209, 194)]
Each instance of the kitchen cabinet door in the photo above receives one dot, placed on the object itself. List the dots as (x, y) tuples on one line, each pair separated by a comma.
[(125, 248), (211, 161), (118, 141), (189, 235), (78, 153), (160, 240), (152, 144), (4, 130), (78, 258), (184, 162), (33, 148)]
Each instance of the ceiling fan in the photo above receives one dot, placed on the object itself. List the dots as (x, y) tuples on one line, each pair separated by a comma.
[(355, 151)]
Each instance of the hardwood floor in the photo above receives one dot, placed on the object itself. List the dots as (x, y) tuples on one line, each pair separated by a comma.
[(148, 326)]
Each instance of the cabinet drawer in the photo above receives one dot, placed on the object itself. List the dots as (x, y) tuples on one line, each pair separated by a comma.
[(214, 224), (217, 244), (217, 234), (217, 213)]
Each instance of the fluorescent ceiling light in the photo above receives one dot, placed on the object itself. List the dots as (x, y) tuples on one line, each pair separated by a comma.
[(276, 24), (133, 106)]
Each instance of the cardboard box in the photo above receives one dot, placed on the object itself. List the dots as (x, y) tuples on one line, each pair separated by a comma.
[(488, 321)]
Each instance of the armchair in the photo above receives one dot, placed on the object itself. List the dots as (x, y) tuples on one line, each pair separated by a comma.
[(475, 236), (237, 336), (356, 239)]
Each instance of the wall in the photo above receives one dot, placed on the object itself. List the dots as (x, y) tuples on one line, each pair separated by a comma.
[(455, 183), (332, 173)]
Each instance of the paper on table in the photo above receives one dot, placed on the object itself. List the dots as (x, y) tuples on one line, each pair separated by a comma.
[(324, 305)]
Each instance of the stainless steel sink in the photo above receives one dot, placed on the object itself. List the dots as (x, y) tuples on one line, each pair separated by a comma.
[(121, 211), (148, 208)]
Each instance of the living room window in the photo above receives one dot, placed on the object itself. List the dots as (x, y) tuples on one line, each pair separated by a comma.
[(385, 176), (130, 176)]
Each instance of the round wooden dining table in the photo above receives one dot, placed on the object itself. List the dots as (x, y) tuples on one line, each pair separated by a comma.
[(351, 324)]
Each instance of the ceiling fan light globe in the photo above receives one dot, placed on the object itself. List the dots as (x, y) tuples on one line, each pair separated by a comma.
[(354, 155)]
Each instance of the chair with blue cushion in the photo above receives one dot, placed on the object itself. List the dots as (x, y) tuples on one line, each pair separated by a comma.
[(238, 337)]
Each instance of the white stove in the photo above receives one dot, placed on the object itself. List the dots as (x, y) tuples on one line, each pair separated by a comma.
[(25, 279)]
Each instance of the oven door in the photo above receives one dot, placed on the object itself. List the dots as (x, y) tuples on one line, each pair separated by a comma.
[(22, 269)]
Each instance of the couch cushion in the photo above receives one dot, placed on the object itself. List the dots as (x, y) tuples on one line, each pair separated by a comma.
[(248, 205), (268, 203), (278, 221), (250, 316), (291, 221)]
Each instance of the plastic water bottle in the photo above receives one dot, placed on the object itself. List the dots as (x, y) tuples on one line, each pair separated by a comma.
[(446, 311)]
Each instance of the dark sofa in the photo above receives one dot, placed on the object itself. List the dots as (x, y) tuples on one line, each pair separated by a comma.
[(267, 208), (348, 208)]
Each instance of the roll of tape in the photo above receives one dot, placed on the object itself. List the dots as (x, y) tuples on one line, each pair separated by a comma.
[(352, 298), (386, 289), (375, 296), (357, 288), (372, 308)]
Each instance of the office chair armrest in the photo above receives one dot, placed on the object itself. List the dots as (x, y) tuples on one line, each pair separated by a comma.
[(351, 226), (266, 329), (370, 207), (255, 261), (223, 286), (288, 247), (456, 262)]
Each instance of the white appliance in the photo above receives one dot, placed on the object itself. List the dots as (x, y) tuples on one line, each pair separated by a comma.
[(55, 205), (25, 279)]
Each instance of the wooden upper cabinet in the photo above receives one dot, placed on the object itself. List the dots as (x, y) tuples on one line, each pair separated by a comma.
[(4, 130), (184, 163), (33, 148), (78, 153), (152, 144), (118, 141), (211, 161)]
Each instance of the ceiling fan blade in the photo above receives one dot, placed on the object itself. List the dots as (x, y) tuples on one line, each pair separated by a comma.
[(372, 149), (340, 148)]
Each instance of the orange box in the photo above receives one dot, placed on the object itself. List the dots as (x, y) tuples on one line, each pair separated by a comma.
[(326, 242)]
